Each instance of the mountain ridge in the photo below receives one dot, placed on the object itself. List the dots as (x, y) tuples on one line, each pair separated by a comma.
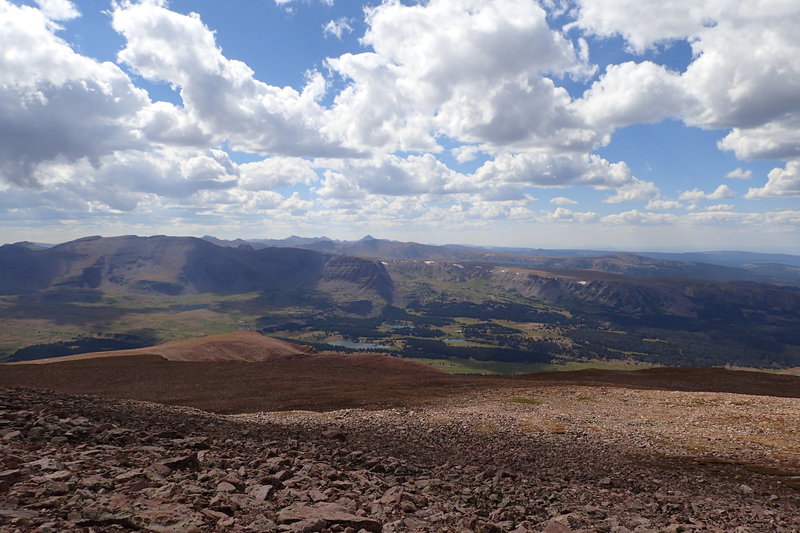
[(718, 266), (175, 265)]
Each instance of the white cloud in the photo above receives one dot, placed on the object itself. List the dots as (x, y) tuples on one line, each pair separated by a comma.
[(644, 23), (503, 178), (337, 186), (388, 175), (275, 172), (56, 104), (663, 205), (552, 170), (466, 153), (479, 78), (778, 139), (126, 181), (744, 74), (563, 214), (636, 217), (561, 200), (288, 2), (720, 207), (58, 9), (789, 218), (739, 174), (634, 93), (79, 139), (221, 94), (338, 27), (635, 190), (696, 195), (476, 208), (782, 183)]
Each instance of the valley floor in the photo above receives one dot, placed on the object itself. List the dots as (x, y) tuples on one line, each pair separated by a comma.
[(523, 458)]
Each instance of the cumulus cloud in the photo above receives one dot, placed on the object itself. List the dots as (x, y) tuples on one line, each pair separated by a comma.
[(635, 190), (561, 200), (778, 139), (58, 9), (554, 170), (696, 195), (663, 205), (289, 5), (338, 27), (78, 138), (222, 94), (126, 181), (563, 214), (276, 172), (637, 218), (646, 23), (504, 178), (633, 93), (782, 183), (56, 104), (388, 175), (720, 207), (744, 74), (739, 174), (480, 78)]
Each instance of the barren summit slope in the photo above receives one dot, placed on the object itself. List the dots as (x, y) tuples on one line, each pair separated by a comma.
[(548, 460), (388, 445), (249, 346), (201, 375)]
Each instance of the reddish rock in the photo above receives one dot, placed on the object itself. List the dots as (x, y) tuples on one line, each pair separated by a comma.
[(334, 434), (183, 462), (224, 486), (261, 492), (330, 513), (9, 478)]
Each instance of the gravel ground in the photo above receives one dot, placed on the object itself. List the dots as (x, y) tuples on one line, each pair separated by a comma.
[(528, 459)]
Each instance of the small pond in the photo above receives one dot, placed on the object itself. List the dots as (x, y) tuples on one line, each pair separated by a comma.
[(357, 345)]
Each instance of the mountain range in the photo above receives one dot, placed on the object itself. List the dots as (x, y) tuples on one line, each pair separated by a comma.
[(719, 266), (415, 300), (180, 265)]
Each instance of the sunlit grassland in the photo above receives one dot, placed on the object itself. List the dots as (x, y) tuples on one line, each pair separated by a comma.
[(170, 326), (123, 300), (57, 316), (18, 333), (496, 368)]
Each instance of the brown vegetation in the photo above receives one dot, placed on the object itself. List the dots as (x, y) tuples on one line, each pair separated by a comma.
[(248, 346)]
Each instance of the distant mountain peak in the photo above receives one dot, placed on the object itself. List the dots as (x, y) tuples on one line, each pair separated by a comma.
[(32, 245), (368, 238)]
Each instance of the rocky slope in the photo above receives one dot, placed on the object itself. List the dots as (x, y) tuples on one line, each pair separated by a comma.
[(553, 460)]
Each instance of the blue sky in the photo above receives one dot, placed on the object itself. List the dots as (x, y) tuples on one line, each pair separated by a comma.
[(625, 124)]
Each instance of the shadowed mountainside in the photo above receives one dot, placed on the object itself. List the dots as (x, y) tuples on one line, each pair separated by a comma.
[(595, 288), (176, 265)]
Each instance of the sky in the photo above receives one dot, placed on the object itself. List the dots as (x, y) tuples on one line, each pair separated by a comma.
[(599, 124)]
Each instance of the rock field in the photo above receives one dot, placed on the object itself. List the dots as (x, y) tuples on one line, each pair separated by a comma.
[(552, 459)]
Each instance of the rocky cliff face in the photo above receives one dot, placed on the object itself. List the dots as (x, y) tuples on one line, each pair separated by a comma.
[(357, 276), (623, 295), (674, 297)]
